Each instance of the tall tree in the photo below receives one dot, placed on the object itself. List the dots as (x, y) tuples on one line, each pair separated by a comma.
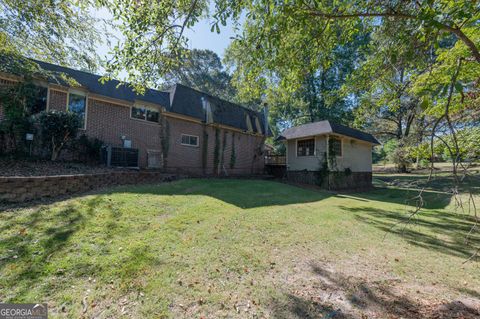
[(63, 31), (274, 33), (202, 70)]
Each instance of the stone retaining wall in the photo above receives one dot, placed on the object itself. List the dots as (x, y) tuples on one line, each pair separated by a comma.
[(333, 180), (20, 189)]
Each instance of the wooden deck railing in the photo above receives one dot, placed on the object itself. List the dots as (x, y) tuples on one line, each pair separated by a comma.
[(275, 160)]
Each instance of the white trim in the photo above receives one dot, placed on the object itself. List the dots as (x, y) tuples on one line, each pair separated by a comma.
[(306, 139), (198, 140)]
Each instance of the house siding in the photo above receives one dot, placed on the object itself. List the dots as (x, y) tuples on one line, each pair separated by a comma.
[(356, 155), (310, 163)]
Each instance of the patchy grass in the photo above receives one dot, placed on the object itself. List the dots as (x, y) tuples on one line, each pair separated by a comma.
[(239, 248)]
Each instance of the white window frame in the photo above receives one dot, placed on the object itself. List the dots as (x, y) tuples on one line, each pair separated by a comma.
[(81, 93), (190, 135), (305, 139), (147, 108)]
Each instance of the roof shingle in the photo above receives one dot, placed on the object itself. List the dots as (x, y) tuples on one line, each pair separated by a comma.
[(326, 127)]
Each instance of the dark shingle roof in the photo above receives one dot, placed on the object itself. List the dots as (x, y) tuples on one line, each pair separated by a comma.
[(113, 88), (188, 101), (325, 127), (180, 99)]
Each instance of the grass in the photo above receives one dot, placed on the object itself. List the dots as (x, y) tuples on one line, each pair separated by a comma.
[(236, 248)]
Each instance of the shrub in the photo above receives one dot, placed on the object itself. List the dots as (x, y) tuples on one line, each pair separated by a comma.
[(57, 128), (88, 149)]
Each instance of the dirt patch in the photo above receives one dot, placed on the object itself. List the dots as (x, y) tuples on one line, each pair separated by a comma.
[(318, 290), (15, 167)]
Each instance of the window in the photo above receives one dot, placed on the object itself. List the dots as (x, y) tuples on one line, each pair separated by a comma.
[(152, 116), (39, 100), (77, 103), (335, 146), (190, 140), (144, 113), (306, 147), (138, 113)]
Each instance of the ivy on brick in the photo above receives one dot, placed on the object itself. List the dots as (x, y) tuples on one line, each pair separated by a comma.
[(204, 149), (224, 145), (233, 155), (165, 140), (216, 151)]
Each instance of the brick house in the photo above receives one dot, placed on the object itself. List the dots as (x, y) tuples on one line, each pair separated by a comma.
[(180, 130)]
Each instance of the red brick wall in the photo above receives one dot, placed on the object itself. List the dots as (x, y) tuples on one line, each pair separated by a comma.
[(183, 158), (57, 100), (109, 122)]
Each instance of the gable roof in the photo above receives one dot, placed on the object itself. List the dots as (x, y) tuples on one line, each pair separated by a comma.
[(190, 102), (326, 127)]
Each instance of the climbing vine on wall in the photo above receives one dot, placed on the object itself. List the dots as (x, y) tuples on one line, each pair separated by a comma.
[(216, 151), (233, 155), (204, 149), (165, 139), (323, 172), (224, 145), (332, 157)]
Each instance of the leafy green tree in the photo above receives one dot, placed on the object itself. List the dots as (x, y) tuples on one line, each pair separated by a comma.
[(275, 34), (63, 32), (202, 70), (57, 129)]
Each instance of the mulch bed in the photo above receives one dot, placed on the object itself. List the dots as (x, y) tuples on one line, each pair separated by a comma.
[(16, 167)]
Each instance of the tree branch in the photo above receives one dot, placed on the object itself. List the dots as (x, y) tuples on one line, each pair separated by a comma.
[(400, 15)]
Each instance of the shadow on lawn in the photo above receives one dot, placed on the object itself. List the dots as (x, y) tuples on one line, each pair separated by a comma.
[(440, 231), (432, 199), (41, 236), (250, 194), (257, 193), (443, 182), (335, 295), (238, 192)]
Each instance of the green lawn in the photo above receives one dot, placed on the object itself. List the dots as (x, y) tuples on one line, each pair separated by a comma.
[(239, 248)]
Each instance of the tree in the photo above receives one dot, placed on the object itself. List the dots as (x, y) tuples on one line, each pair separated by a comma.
[(62, 32), (202, 70), (274, 33), (57, 129)]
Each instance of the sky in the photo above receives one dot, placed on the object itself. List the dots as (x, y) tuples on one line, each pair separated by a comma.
[(200, 36)]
